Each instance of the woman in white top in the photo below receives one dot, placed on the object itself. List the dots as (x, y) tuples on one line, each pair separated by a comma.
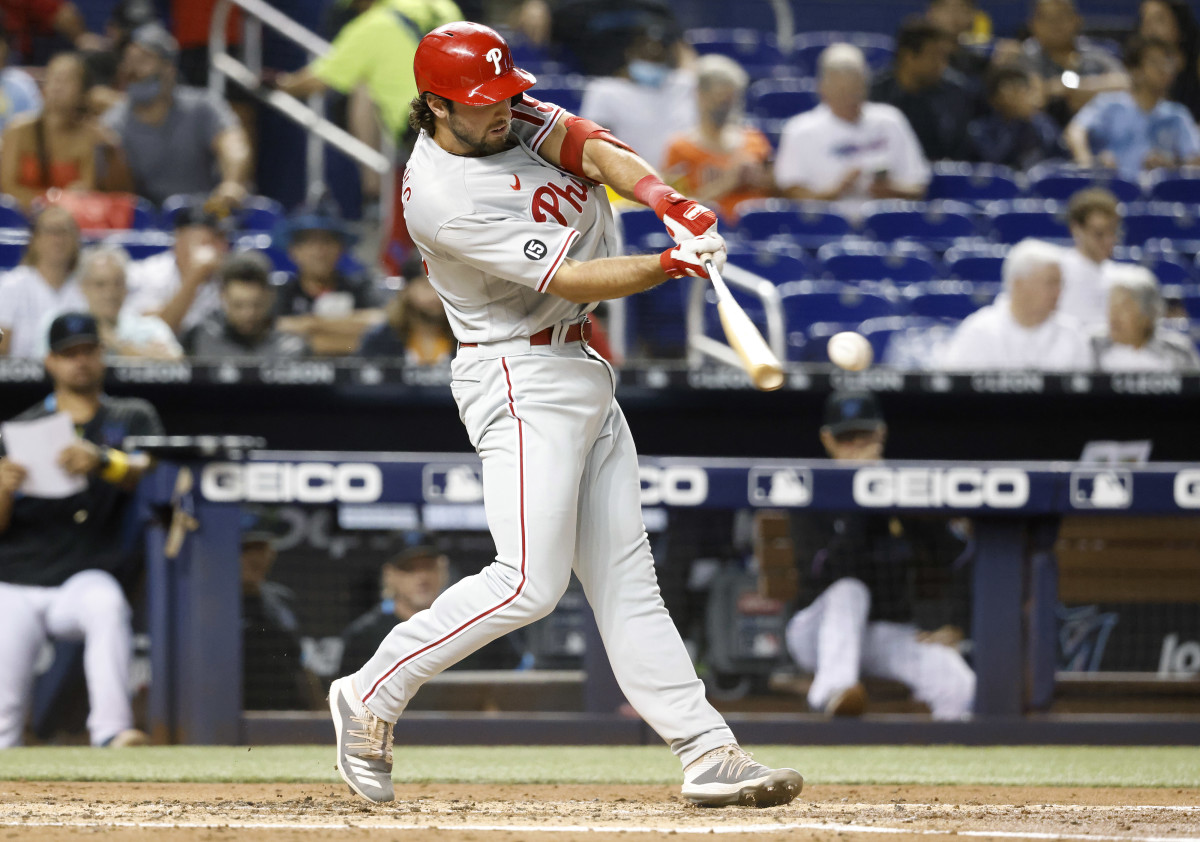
[(43, 285), (1133, 340)]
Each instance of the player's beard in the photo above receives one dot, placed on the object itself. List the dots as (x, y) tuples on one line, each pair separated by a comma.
[(483, 145)]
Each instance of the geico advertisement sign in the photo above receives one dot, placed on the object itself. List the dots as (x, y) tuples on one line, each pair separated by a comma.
[(673, 485), (1187, 489), (954, 488), (291, 482)]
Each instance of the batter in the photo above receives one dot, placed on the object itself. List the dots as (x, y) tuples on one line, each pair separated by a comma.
[(503, 199)]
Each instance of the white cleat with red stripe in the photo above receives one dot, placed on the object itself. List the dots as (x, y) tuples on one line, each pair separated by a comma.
[(364, 744)]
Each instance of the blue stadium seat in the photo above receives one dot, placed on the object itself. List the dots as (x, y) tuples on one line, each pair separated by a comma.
[(807, 48), (808, 302), (898, 263), (565, 91), (656, 320), (777, 265), (906, 342), (13, 242), (1190, 298), (643, 231), (1168, 267), (936, 224), (1182, 185), (975, 261), (145, 216), (141, 244), (259, 213), (949, 299), (809, 225), (972, 182), (1152, 222), (1059, 181), (756, 51), (1013, 221), (779, 99), (11, 215)]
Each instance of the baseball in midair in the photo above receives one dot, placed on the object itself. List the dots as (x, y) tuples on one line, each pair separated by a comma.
[(850, 350)]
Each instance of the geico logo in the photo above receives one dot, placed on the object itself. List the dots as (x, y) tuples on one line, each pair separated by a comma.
[(673, 485), (288, 482), (956, 488), (1187, 489)]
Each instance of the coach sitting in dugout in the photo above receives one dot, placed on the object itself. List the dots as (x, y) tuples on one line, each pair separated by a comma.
[(858, 578), (62, 559)]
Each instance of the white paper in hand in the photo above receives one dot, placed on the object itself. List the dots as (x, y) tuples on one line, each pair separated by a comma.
[(35, 446)]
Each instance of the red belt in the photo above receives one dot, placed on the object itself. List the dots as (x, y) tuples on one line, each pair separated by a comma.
[(575, 333)]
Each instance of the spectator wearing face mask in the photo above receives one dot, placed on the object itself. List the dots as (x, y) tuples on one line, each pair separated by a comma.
[(649, 99), (722, 161), (177, 139)]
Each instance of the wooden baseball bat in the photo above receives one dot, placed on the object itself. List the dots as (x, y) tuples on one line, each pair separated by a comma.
[(760, 363)]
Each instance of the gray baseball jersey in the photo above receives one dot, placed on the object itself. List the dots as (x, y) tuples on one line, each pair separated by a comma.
[(494, 230)]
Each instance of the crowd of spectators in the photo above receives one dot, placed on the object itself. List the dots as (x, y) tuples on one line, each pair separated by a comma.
[(113, 119)]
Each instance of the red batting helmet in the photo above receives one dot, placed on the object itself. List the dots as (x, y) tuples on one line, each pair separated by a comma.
[(468, 63)]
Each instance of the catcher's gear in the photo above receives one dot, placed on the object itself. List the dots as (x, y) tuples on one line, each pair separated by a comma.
[(468, 63)]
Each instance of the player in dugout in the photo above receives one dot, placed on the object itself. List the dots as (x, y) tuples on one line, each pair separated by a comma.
[(61, 558), (505, 200), (858, 573)]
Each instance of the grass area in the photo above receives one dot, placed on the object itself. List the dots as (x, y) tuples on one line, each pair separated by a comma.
[(1019, 765)]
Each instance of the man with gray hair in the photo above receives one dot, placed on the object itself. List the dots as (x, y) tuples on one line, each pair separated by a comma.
[(848, 150), (103, 271), (1021, 329), (1133, 340)]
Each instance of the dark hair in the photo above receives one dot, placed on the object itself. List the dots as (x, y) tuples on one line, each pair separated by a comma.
[(420, 115), (1189, 29), (251, 267), (1087, 202), (1004, 74), (1137, 46), (915, 34)]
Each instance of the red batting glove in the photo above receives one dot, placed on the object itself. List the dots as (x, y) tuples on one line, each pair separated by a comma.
[(683, 217), (688, 257)]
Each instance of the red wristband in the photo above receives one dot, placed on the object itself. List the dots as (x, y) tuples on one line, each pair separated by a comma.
[(652, 192)]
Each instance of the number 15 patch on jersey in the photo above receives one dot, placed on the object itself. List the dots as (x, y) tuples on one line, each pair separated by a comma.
[(535, 249)]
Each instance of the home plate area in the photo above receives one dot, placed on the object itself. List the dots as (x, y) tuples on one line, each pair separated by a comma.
[(491, 813)]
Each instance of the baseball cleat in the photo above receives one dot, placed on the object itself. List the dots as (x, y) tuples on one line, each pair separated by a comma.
[(729, 775), (850, 702), (364, 744)]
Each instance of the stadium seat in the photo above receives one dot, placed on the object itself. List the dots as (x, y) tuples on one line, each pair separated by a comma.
[(1152, 222), (906, 342), (756, 51), (936, 224), (975, 261), (809, 225), (897, 263), (1013, 221), (1168, 267), (11, 215), (1190, 299), (808, 302), (141, 244), (259, 213), (972, 182), (949, 299), (145, 217), (780, 99), (13, 242), (643, 231), (565, 91), (656, 320), (807, 48), (1057, 181), (1182, 185), (777, 265)]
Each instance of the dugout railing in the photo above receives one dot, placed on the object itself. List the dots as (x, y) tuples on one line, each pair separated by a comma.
[(1015, 508)]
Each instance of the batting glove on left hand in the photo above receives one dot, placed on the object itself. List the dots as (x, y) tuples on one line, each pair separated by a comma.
[(688, 257), (683, 217)]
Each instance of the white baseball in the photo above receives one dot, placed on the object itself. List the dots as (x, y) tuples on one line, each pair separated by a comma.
[(850, 350)]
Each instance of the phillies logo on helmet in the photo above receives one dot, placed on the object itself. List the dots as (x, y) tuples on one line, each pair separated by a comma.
[(494, 55)]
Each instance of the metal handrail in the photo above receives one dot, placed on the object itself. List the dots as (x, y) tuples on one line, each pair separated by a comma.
[(700, 345), (307, 115)]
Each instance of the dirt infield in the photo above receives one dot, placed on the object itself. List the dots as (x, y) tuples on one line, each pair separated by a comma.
[(490, 813)]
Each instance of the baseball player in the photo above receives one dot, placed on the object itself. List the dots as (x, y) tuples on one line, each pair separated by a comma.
[(504, 200)]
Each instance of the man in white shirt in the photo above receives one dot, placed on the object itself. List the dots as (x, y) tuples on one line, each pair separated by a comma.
[(180, 286), (1021, 329), (848, 150), (1133, 340), (1095, 222), (648, 101)]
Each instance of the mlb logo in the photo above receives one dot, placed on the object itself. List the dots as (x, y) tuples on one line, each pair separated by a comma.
[(780, 487), (1101, 489), (452, 484)]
